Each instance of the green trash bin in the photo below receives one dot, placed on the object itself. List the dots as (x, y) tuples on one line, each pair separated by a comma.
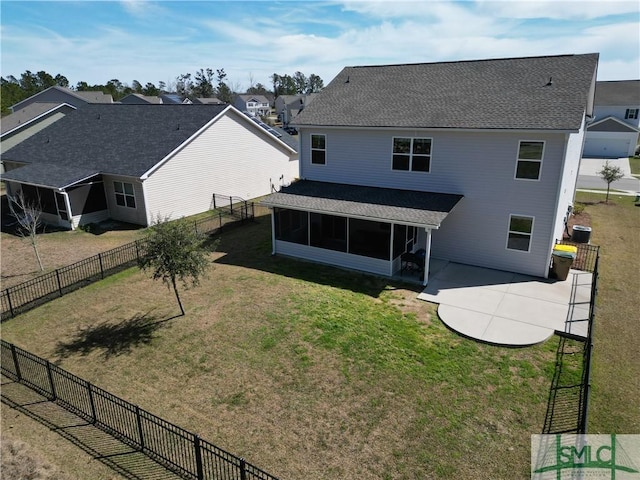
[(561, 263)]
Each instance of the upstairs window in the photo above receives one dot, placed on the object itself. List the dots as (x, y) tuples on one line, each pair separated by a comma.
[(520, 231), (412, 154), (631, 114), (529, 160), (318, 149), (125, 196)]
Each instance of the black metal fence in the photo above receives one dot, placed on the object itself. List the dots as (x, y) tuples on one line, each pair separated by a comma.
[(235, 206), (173, 447), (568, 407), (43, 288)]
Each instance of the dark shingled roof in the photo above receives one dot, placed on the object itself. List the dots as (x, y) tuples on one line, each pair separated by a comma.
[(374, 203), (115, 139), (511, 93), (618, 93)]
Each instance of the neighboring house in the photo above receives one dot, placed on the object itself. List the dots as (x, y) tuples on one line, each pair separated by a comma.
[(60, 95), (139, 99), (29, 120), (473, 162), (255, 105), (134, 162), (208, 101), (613, 132), (289, 106), (174, 99)]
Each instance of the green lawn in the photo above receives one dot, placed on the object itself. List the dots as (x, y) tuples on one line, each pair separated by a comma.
[(313, 372)]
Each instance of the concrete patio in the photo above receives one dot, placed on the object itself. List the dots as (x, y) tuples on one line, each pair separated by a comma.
[(506, 308)]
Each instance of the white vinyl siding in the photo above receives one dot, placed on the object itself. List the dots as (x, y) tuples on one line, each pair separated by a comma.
[(478, 165), (232, 157)]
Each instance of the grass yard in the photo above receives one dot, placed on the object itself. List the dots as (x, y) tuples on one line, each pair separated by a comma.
[(311, 372), (616, 362)]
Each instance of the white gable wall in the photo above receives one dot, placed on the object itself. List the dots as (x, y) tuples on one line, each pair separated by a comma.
[(231, 157), (604, 111), (480, 166)]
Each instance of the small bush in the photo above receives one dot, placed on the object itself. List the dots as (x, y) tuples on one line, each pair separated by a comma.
[(20, 462), (578, 208)]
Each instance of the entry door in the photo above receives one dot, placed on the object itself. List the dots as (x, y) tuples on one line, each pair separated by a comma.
[(62, 206)]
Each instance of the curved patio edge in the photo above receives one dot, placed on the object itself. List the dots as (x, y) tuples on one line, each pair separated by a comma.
[(492, 329)]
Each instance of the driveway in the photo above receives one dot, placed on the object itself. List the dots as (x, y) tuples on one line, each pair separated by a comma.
[(506, 308), (589, 178)]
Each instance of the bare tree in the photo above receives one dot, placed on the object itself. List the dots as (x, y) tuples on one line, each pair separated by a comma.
[(28, 213), (610, 173)]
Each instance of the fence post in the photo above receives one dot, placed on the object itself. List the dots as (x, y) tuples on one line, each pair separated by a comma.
[(243, 469), (91, 403), (214, 201), (139, 422), (231, 204), (53, 388), (9, 302), (137, 251), (15, 362), (195, 225), (59, 283), (198, 452), (101, 269)]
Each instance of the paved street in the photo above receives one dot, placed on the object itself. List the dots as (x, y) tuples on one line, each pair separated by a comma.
[(589, 178)]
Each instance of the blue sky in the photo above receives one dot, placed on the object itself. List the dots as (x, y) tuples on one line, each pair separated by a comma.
[(96, 41)]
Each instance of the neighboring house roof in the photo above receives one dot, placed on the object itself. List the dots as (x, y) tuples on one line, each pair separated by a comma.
[(116, 139), (373, 203), (88, 97), (208, 101), (172, 98), (28, 114), (541, 93), (618, 93), (254, 98), (138, 98), (611, 124)]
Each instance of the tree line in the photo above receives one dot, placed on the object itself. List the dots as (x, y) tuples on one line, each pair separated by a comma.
[(204, 83)]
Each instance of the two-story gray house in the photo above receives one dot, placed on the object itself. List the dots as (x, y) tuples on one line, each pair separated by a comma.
[(613, 131), (472, 162)]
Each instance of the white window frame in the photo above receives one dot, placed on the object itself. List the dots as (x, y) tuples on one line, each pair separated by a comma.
[(518, 160), (311, 149), (631, 114), (530, 234), (411, 154), (124, 194)]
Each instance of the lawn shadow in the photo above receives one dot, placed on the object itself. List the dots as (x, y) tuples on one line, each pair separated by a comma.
[(112, 338), (249, 246)]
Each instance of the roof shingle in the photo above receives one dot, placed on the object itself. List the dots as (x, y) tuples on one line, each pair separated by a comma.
[(548, 92)]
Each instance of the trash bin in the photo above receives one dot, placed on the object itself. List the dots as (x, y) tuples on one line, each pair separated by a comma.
[(562, 259), (580, 234)]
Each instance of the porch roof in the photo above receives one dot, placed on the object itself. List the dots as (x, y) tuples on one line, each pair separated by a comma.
[(409, 207), (49, 175)]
